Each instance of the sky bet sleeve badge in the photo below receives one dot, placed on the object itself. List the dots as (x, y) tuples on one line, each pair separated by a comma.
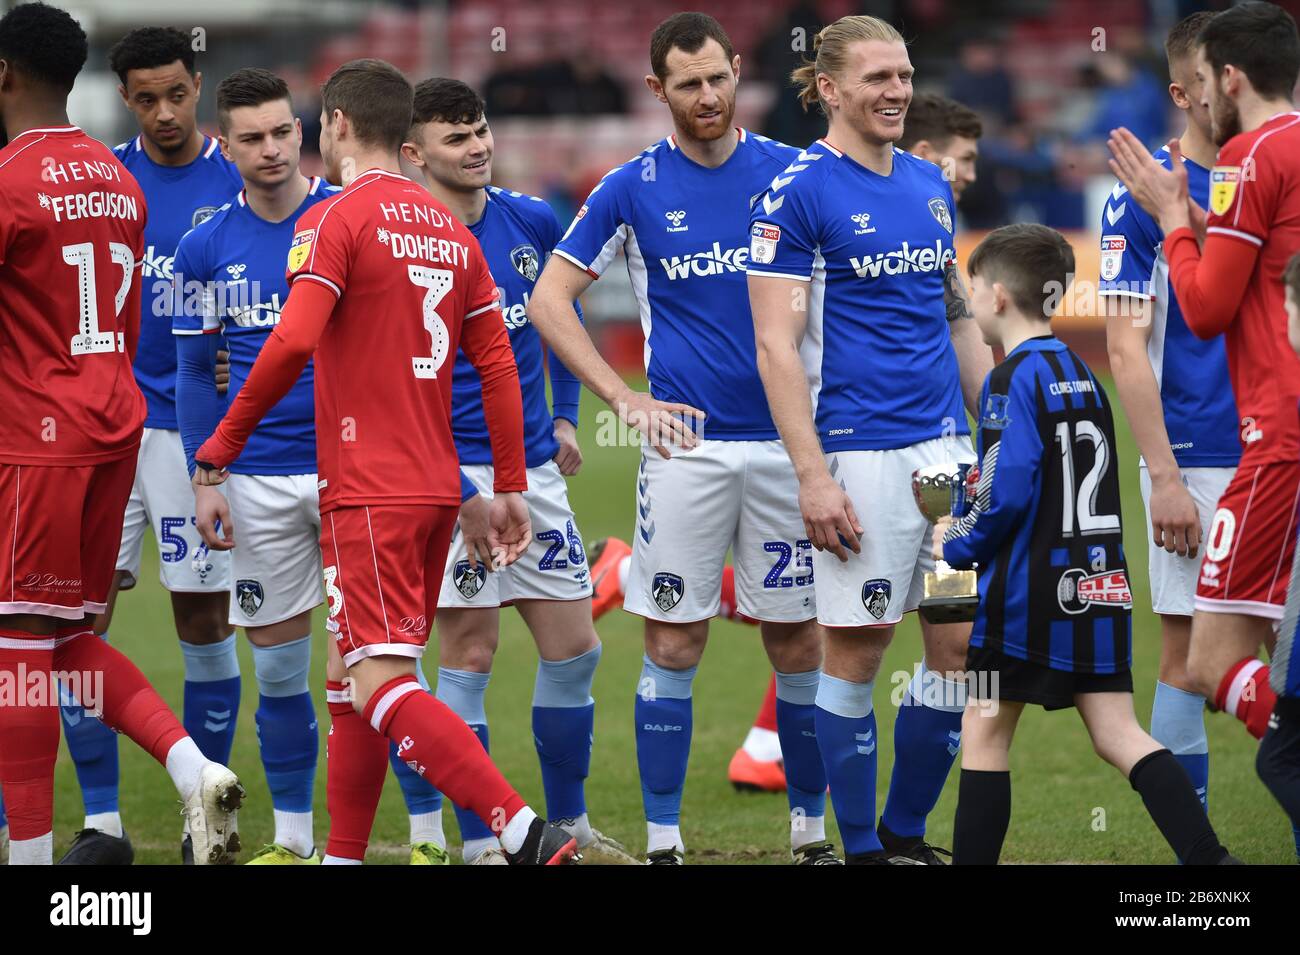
[(1223, 188), (1112, 256), (300, 249), (762, 242)]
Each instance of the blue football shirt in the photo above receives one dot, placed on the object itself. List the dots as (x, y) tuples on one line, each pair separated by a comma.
[(1195, 391), (237, 260), (517, 233), (877, 349), (178, 198), (682, 228)]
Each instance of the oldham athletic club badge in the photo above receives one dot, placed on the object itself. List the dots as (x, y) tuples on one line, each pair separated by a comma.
[(524, 259), (875, 596), (201, 215), (1223, 188), (250, 596), (469, 580), (667, 590), (939, 209)]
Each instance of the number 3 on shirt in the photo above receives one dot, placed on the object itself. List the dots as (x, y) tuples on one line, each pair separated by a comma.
[(438, 284), (90, 340)]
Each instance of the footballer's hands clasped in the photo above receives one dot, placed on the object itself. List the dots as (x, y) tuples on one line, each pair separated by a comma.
[(664, 424), (476, 524), (1160, 191), (569, 458), (511, 531), (212, 516), (1175, 522), (828, 516)]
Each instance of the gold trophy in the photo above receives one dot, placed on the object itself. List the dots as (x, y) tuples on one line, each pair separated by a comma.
[(951, 596)]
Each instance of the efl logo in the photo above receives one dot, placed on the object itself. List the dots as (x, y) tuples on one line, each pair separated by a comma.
[(762, 242)]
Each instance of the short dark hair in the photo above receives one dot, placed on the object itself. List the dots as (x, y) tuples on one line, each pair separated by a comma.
[(45, 43), (938, 119), (1033, 262), (251, 86), (444, 100), (376, 99), (151, 47), (1259, 39), (1183, 38), (687, 32), (1291, 277)]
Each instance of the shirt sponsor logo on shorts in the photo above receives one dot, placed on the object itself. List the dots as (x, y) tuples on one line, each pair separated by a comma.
[(1078, 590), (875, 596), (468, 580), (667, 590), (249, 595), (50, 584)]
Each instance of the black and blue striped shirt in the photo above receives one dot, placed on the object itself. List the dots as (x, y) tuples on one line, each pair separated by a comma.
[(1044, 527)]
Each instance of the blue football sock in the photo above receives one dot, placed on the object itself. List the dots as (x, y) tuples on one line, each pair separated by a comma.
[(663, 739), (563, 719), (463, 691), (212, 696), (805, 774), (1178, 724), (286, 723), (927, 735), (846, 735), (93, 747)]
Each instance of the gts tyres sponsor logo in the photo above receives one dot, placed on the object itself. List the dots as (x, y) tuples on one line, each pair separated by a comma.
[(929, 258), (714, 261)]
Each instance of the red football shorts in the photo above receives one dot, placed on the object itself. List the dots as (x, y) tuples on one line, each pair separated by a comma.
[(1247, 563), (383, 572), (60, 528)]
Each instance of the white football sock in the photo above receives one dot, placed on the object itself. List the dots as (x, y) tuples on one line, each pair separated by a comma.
[(663, 837), (516, 830), (109, 823), (579, 828), (624, 568), (185, 764), (339, 860), (473, 848), (763, 745), (38, 851), (293, 830), (427, 827), (806, 829)]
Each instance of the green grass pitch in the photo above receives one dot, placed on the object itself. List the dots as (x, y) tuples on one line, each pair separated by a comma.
[(1067, 806)]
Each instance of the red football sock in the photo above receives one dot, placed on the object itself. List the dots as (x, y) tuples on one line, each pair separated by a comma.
[(356, 759), (1246, 694), (767, 714), (728, 610), (130, 704), (29, 734), (437, 744)]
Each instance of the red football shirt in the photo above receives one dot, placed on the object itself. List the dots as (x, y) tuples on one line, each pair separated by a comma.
[(1255, 198), (71, 243), (412, 287)]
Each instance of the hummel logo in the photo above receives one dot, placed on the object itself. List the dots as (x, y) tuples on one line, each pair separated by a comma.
[(236, 272), (675, 217), (863, 219)]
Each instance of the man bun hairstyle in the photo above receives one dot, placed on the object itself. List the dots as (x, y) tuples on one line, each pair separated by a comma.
[(831, 50)]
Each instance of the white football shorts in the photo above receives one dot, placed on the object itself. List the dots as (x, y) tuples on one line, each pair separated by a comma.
[(1173, 578)]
